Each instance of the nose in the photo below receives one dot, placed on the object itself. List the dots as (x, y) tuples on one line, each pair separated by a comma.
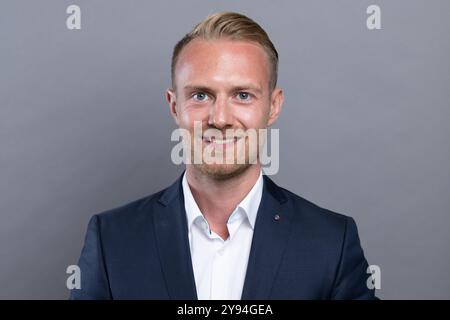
[(220, 114)]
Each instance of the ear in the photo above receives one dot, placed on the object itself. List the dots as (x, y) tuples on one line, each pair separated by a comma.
[(172, 101), (276, 103)]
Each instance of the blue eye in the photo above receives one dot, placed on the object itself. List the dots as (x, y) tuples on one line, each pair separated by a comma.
[(200, 96), (244, 95)]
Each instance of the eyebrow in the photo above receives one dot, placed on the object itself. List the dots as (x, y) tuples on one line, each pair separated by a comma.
[(191, 88)]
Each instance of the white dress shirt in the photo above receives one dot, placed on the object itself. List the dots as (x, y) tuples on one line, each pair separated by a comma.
[(220, 265)]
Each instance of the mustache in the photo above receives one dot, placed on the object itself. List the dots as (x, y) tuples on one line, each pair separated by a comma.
[(212, 133)]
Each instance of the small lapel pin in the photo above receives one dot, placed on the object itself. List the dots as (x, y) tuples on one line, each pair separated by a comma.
[(277, 217)]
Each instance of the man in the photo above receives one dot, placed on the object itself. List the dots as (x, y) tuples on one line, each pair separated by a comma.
[(223, 230)]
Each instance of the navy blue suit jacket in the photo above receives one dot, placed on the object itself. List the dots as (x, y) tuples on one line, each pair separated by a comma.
[(141, 251)]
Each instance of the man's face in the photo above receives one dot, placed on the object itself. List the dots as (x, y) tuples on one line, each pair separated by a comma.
[(223, 84)]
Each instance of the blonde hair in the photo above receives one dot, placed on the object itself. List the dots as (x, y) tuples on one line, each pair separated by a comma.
[(233, 26)]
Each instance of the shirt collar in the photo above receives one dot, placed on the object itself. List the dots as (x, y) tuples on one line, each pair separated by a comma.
[(249, 204), (191, 207)]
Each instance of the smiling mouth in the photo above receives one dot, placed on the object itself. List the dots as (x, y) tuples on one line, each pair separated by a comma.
[(214, 140)]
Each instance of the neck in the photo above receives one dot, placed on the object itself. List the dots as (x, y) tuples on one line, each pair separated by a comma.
[(217, 198)]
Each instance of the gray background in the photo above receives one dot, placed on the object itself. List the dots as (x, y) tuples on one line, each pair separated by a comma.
[(84, 126)]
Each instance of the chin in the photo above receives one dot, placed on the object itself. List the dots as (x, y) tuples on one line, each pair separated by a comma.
[(222, 171)]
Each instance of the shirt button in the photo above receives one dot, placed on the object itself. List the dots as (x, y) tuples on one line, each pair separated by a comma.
[(220, 252)]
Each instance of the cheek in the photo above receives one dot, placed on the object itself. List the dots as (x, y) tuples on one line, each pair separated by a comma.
[(188, 115), (254, 117)]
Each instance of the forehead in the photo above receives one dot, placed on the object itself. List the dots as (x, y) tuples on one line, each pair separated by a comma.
[(223, 61)]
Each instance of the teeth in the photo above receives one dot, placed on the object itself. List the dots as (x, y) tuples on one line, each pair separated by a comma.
[(220, 141), (224, 141)]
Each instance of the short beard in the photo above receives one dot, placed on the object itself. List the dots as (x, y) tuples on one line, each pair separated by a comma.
[(222, 171)]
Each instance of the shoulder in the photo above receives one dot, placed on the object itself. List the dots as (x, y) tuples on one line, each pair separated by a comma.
[(315, 218), (129, 215), (334, 236)]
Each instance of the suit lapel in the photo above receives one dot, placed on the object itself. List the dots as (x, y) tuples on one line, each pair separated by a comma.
[(173, 244), (269, 241)]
